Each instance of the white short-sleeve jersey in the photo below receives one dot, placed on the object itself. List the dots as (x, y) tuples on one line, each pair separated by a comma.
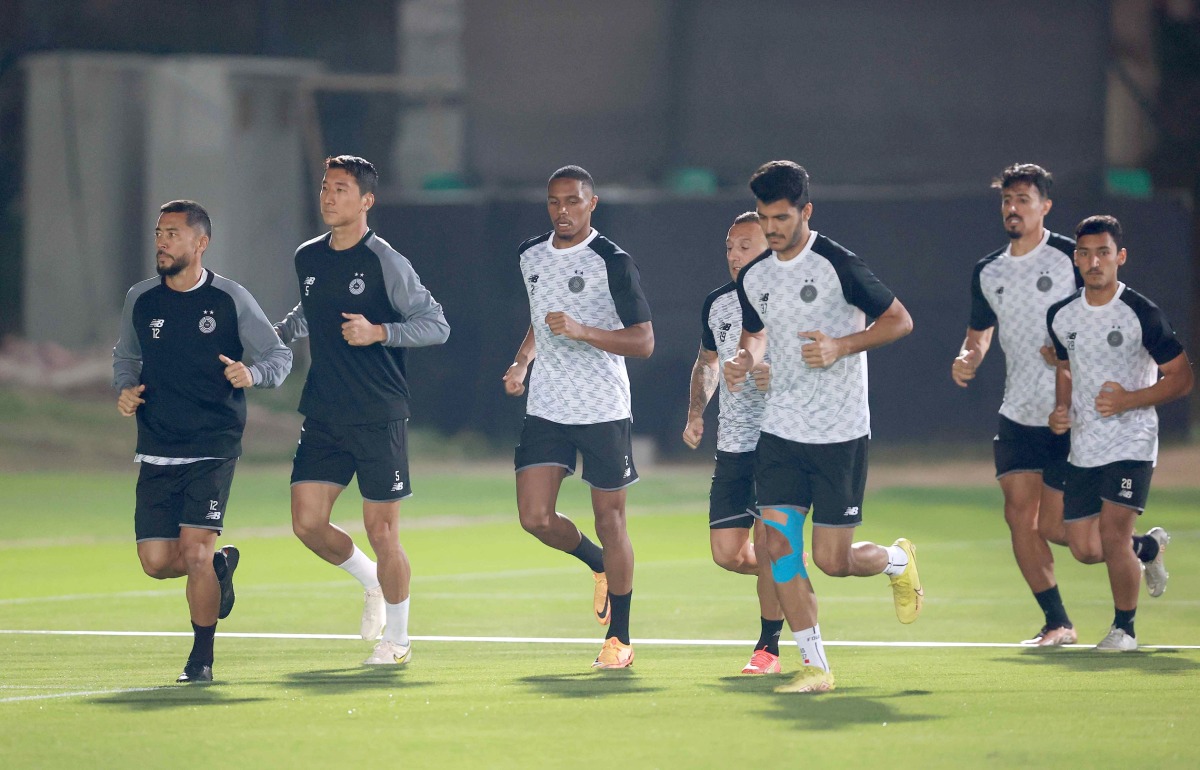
[(740, 414), (824, 288), (1016, 292), (1123, 341), (597, 284)]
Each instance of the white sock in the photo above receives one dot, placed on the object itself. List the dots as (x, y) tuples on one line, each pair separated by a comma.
[(812, 651), (897, 560), (396, 629), (362, 568)]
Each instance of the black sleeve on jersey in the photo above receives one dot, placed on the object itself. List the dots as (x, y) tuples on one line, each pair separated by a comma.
[(624, 282), (751, 321), (860, 287), (1066, 246), (533, 242), (707, 340), (982, 314), (1158, 336), (1060, 350)]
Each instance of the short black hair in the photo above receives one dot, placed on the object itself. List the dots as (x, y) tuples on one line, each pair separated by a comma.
[(781, 180), (1100, 223), (746, 216), (361, 169), (1028, 173), (574, 172), (196, 215)]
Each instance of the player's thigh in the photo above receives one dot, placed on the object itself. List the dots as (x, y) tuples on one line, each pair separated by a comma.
[(544, 444), (731, 498), (380, 452), (727, 544), (1022, 496), (196, 544), (607, 452), (537, 489), (381, 520)]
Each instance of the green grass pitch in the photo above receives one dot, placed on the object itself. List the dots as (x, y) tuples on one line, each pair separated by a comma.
[(67, 563)]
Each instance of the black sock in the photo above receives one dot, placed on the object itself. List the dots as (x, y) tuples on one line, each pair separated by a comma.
[(1145, 548), (589, 553), (768, 638), (1051, 604), (619, 625), (220, 564), (1123, 619), (202, 644)]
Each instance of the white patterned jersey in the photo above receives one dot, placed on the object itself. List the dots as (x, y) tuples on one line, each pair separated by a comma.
[(1123, 341), (740, 414), (1016, 292), (597, 284), (824, 288)]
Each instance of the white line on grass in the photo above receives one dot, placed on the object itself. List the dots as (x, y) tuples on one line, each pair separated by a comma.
[(81, 694), (563, 640)]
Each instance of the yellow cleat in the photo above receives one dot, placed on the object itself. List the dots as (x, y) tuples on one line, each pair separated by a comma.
[(614, 654), (906, 587), (600, 599), (810, 679)]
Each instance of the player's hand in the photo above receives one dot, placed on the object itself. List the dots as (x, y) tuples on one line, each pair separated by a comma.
[(963, 369), (1060, 420), (822, 350), (360, 332), (762, 376), (693, 431), (564, 325), (734, 370), (237, 373), (129, 400), (514, 379), (1111, 399), (1049, 355)]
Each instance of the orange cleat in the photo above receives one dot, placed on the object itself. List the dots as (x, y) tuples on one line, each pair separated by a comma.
[(762, 662), (614, 654)]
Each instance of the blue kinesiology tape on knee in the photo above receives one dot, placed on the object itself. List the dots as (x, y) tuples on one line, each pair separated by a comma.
[(791, 565)]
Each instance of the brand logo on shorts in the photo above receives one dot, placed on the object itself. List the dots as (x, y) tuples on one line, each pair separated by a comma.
[(156, 325), (208, 324), (398, 486), (809, 292), (1125, 493), (628, 469), (576, 283), (357, 286), (1115, 338), (851, 511), (213, 514), (1044, 283)]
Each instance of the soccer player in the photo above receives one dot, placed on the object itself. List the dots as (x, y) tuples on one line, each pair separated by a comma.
[(1112, 345), (1014, 287), (178, 366), (813, 297), (587, 313), (361, 305), (731, 501)]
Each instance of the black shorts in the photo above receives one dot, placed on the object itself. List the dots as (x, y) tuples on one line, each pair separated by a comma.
[(377, 452), (606, 447), (731, 498), (828, 479), (1026, 449), (173, 496), (1126, 482)]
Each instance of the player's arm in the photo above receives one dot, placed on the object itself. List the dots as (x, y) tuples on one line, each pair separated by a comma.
[(270, 360), (634, 341), (424, 322), (514, 377), (1176, 382), (1060, 418), (705, 374), (127, 363), (974, 348), (822, 350), (752, 349), (294, 325)]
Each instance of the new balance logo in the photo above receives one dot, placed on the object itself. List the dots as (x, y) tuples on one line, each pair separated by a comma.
[(851, 511), (213, 515), (398, 486), (156, 325), (308, 283), (1125, 493)]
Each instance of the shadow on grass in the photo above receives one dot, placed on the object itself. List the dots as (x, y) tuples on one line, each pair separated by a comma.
[(182, 696), (589, 684), (844, 707), (1165, 661), (332, 681)]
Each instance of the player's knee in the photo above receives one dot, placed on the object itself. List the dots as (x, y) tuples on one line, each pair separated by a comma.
[(536, 522), (1087, 553), (159, 569), (832, 564), (730, 560), (610, 527)]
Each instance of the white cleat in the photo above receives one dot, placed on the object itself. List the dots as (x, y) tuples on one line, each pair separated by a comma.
[(373, 613), (1117, 641), (1155, 570), (389, 654)]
